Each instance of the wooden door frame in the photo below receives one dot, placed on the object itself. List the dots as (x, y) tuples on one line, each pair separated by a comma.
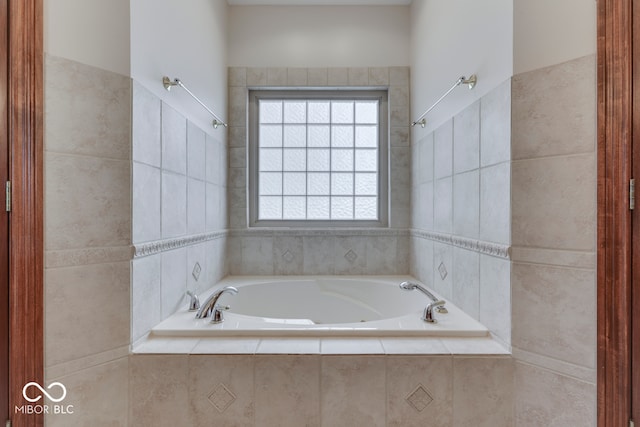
[(4, 216), (614, 135), (26, 260), (614, 132)]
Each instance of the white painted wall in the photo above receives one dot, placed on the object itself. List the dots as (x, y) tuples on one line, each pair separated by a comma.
[(93, 32), (187, 40), (453, 38), (548, 32), (345, 36)]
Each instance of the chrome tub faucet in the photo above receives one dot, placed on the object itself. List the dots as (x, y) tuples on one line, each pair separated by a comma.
[(210, 307), (435, 302)]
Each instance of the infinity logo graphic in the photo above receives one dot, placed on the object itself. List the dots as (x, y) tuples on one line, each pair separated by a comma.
[(39, 387)]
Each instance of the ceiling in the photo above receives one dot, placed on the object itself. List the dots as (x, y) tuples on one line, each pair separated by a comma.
[(319, 2)]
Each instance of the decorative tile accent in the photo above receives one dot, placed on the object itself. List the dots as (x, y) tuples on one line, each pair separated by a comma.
[(419, 398), (487, 248), (442, 269), (288, 256), (351, 256), (196, 271), (150, 248), (221, 397)]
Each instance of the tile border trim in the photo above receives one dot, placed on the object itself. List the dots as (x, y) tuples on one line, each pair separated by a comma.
[(150, 248), (487, 248)]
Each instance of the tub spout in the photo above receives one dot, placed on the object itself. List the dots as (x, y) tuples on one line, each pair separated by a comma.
[(435, 302), (210, 307)]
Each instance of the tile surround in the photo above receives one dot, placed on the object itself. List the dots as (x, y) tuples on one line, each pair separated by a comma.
[(255, 255), (530, 408), (321, 390)]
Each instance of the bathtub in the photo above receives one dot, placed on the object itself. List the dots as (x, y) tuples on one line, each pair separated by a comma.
[(321, 306)]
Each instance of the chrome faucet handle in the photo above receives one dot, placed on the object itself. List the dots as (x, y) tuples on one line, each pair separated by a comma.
[(216, 316), (194, 302), (428, 312)]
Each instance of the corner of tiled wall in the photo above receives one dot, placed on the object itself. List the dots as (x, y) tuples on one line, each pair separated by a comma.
[(461, 210), (179, 209), (88, 239), (554, 243)]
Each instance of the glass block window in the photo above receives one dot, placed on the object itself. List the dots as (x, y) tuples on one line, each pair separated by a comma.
[(318, 157)]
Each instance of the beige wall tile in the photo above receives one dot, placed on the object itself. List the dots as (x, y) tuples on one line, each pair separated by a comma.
[(146, 302), (567, 297), (296, 76), (174, 205), (443, 205), (237, 105), (495, 125), (221, 391), (402, 254), (495, 203), (466, 281), (99, 396), (544, 398), (353, 391), (400, 207), (87, 110), (276, 76), (174, 140), (419, 391), (399, 115), (379, 76), (237, 76), (381, 255), (425, 165), (422, 205), (146, 182), (196, 206), (482, 392), (215, 212), (554, 202), (159, 387), (196, 152), (257, 255), (287, 390), (442, 281), (399, 76), (554, 111), (318, 254), (256, 76), (399, 95), (88, 202), (466, 204), (466, 139), (237, 136), (443, 150), (99, 293), (422, 259), (495, 296), (358, 76), (338, 76), (400, 136), (317, 76), (145, 126), (350, 255), (288, 255)]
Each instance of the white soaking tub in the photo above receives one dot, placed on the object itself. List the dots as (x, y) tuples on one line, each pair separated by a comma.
[(321, 306)]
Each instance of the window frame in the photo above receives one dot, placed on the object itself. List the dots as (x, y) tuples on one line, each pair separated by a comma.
[(330, 94)]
